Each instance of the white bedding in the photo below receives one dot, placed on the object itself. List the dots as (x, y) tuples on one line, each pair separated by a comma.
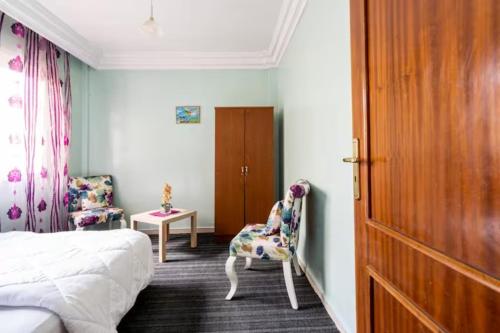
[(90, 279), (29, 320)]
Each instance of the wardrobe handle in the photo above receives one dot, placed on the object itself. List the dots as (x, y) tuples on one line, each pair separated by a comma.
[(242, 171), (246, 170)]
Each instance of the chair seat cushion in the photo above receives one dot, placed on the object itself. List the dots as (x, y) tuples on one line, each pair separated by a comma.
[(253, 242), (84, 218)]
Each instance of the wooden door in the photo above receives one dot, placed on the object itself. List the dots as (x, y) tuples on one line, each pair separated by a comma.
[(229, 176), (259, 160), (426, 87)]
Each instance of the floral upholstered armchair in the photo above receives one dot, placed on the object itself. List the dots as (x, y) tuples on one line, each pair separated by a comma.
[(276, 240), (90, 201)]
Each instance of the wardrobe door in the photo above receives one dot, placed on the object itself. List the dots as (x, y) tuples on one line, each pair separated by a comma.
[(259, 161), (229, 175)]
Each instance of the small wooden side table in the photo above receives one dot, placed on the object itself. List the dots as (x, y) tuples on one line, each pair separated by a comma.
[(163, 223)]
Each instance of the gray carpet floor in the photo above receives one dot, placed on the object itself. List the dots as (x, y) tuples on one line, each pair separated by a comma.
[(188, 290)]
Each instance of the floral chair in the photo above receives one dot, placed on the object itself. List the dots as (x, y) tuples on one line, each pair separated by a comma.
[(90, 202), (276, 240)]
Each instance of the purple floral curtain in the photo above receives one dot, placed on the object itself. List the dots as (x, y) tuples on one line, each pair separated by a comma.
[(31, 78), (35, 124)]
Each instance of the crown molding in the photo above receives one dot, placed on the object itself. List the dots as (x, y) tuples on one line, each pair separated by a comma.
[(39, 19), (290, 14), (184, 60), (36, 17)]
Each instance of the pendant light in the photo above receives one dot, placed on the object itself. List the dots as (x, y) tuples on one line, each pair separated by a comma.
[(150, 26)]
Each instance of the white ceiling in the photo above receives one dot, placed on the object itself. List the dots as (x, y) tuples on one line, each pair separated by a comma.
[(197, 33), (189, 25)]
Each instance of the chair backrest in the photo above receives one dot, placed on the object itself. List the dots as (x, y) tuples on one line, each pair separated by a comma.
[(290, 216), (78, 184)]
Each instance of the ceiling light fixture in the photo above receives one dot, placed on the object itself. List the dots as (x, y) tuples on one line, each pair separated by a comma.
[(151, 27)]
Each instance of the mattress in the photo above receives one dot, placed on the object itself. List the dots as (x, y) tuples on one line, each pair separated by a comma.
[(29, 319)]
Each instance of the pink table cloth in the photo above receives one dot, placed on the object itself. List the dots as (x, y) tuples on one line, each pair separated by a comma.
[(159, 213)]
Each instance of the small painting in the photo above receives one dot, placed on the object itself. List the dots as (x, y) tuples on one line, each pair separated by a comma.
[(187, 114)]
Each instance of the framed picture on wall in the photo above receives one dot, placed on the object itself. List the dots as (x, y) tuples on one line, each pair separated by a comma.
[(187, 114)]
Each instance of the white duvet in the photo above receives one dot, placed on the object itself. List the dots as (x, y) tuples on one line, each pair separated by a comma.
[(89, 278)]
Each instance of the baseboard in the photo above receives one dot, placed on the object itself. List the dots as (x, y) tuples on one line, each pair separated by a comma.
[(175, 231), (317, 289)]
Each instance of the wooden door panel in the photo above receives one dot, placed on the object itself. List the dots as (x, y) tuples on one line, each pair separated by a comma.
[(395, 318), (425, 79), (439, 291), (229, 180), (434, 124), (259, 158)]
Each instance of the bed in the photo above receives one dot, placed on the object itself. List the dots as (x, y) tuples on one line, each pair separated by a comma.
[(71, 281), (29, 319)]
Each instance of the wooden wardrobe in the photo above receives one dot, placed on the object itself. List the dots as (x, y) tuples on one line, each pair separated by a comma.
[(244, 167)]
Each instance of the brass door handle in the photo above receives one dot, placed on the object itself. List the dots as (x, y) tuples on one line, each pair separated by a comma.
[(350, 160), (242, 171), (355, 167)]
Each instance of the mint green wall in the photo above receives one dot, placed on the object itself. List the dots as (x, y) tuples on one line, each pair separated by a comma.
[(124, 124), (314, 94), (133, 133), (79, 93)]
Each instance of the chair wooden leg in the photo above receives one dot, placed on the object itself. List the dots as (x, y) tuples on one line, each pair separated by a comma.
[(296, 265), (231, 274), (287, 272), (248, 262)]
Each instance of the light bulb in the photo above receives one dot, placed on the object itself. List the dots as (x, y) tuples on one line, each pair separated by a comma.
[(151, 27)]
